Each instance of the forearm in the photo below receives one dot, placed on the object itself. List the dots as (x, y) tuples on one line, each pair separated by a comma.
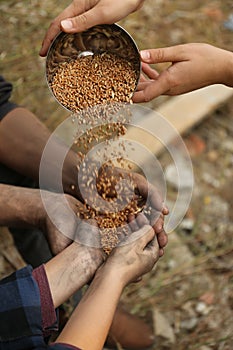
[(70, 270), (91, 320), (23, 137), (20, 206), (22, 141)]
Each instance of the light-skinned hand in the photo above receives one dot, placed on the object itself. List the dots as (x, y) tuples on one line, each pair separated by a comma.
[(83, 14), (136, 256), (192, 67)]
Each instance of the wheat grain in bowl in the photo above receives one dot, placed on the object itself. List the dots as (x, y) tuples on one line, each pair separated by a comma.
[(98, 66), (94, 80)]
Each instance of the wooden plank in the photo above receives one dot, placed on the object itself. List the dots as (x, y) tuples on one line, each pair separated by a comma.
[(182, 112), (187, 110)]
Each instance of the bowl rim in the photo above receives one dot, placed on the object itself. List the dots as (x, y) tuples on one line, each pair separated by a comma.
[(117, 26)]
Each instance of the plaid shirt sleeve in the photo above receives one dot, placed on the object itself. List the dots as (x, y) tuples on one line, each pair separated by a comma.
[(20, 314)]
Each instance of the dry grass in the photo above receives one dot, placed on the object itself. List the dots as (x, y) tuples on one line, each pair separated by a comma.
[(160, 23)]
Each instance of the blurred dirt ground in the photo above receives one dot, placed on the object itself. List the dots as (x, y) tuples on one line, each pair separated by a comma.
[(189, 296)]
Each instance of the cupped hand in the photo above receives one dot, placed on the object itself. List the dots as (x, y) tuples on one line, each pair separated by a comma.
[(135, 256), (148, 197), (193, 66), (59, 221), (83, 14), (157, 209)]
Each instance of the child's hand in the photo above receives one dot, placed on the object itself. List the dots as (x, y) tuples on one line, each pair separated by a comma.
[(193, 66)]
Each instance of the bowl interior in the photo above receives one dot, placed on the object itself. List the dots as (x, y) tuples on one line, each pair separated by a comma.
[(96, 40)]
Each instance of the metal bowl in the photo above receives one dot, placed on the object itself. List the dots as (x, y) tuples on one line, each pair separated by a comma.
[(99, 39)]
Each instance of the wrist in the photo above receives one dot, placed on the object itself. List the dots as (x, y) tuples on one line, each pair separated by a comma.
[(224, 68), (22, 206), (111, 275), (69, 271), (80, 263), (31, 211), (229, 70)]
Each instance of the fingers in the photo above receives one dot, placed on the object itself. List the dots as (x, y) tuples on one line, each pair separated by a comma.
[(149, 191), (156, 220), (136, 222), (152, 250), (150, 72), (142, 220), (167, 54), (133, 223), (158, 84), (156, 200), (162, 239), (84, 21), (142, 236), (49, 36), (98, 12), (142, 79), (165, 210), (87, 233), (55, 27), (148, 236), (154, 88), (161, 252)]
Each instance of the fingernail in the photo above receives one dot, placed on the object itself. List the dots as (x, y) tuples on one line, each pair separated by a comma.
[(165, 210), (145, 55), (67, 24)]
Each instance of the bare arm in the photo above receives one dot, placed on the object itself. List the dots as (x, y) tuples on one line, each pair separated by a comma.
[(192, 67), (70, 270), (20, 206), (22, 141), (23, 207), (90, 322)]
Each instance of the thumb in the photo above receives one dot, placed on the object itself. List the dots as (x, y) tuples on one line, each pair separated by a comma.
[(82, 22), (154, 89), (167, 54), (144, 236)]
